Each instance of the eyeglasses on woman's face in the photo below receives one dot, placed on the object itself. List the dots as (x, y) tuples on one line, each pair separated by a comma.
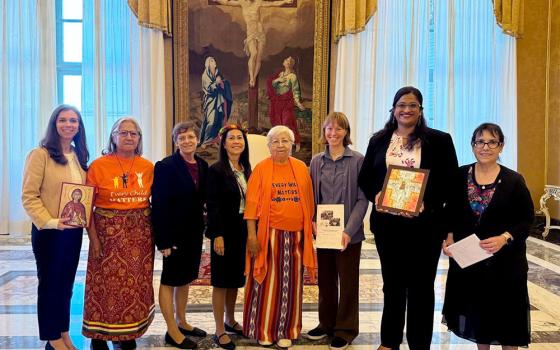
[(403, 106), (492, 144), (125, 133)]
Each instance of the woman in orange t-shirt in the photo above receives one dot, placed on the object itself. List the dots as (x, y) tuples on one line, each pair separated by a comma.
[(119, 297), (280, 198)]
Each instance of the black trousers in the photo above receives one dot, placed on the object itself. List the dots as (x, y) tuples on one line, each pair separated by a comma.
[(57, 254), (338, 313), (409, 252)]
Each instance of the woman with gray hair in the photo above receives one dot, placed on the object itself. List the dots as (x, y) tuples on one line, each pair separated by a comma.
[(280, 198), (119, 297), (178, 198)]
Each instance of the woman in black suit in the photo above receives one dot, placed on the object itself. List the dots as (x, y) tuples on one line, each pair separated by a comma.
[(227, 185), (409, 247), (178, 198), (488, 302)]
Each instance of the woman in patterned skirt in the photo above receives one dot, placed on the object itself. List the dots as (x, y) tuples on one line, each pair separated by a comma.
[(280, 198), (119, 297)]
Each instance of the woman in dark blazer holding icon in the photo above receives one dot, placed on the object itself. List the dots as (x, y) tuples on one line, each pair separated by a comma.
[(409, 247)]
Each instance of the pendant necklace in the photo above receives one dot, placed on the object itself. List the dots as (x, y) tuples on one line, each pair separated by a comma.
[(124, 175)]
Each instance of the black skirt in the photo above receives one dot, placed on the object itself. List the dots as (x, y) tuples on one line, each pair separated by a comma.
[(487, 303), (182, 266), (227, 271)]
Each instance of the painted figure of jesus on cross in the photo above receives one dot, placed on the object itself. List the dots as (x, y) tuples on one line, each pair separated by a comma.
[(256, 38)]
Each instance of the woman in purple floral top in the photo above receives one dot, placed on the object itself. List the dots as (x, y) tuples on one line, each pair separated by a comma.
[(488, 302)]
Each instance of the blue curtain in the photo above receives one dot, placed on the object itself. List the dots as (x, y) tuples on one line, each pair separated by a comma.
[(106, 68), (20, 128)]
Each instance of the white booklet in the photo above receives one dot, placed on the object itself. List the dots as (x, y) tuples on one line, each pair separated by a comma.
[(468, 251), (330, 225)]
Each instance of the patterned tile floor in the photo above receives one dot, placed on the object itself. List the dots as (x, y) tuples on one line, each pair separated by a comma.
[(18, 325)]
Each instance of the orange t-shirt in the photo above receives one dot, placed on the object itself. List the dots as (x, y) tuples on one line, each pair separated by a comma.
[(286, 212), (121, 186)]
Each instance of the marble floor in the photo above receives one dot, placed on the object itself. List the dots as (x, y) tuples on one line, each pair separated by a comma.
[(18, 283)]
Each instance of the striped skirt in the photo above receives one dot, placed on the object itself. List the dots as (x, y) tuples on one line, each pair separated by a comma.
[(272, 309), (119, 297)]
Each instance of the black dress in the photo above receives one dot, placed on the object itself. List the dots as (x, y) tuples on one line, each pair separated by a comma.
[(488, 302), (178, 217), (224, 220)]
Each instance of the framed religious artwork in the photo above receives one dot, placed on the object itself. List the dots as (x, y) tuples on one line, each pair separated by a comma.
[(403, 190), (259, 63), (76, 204)]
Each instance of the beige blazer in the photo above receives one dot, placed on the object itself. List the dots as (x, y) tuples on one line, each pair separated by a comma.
[(42, 183)]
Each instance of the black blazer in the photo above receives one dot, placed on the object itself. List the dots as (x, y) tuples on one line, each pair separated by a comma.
[(511, 209), (437, 155), (177, 206), (223, 199)]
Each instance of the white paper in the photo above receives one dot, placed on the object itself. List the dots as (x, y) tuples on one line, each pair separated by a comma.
[(330, 225), (468, 251)]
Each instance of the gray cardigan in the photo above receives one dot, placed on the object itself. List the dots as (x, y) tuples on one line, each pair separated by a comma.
[(355, 202)]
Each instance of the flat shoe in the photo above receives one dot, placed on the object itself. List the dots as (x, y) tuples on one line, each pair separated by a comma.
[(231, 329), (195, 332), (284, 343), (128, 344), (228, 346), (185, 344), (264, 343)]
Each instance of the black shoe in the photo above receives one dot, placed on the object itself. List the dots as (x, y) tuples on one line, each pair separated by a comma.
[(98, 344), (128, 344), (195, 332), (316, 333), (338, 343), (185, 344), (228, 346), (231, 329)]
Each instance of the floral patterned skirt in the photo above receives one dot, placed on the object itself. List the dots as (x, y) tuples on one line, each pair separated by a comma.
[(119, 297)]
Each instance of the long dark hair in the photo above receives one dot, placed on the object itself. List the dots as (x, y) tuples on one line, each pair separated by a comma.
[(421, 128), (51, 141), (243, 158)]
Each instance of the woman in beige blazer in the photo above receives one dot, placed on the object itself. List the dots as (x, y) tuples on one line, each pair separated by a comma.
[(61, 157)]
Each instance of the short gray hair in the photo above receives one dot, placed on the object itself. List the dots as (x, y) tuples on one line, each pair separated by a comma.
[(183, 127), (277, 130), (112, 146)]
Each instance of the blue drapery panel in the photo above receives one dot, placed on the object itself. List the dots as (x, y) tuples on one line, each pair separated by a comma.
[(109, 30), (19, 105)]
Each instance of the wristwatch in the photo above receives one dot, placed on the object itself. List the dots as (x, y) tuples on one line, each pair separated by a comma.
[(508, 238)]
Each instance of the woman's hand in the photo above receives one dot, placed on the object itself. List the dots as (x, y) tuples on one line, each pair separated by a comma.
[(253, 245), (62, 224), (165, 252), (219, 245), (493, 244), (345, 241), (95, 248), (314, 228), (446, 243), (403, 214)]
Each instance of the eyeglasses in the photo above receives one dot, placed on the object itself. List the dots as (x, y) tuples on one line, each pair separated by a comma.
[(410, 106), (493, 144), (125, 133), (276, 143)]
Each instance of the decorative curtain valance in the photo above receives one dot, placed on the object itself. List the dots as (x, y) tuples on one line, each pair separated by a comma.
[(509, 16), (352, 16), (153, 14)]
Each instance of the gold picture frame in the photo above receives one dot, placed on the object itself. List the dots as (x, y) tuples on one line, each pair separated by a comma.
[(322, 43), (76, 204)]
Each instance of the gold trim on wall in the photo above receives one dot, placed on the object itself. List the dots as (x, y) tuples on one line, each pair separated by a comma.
[(322, 46)]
